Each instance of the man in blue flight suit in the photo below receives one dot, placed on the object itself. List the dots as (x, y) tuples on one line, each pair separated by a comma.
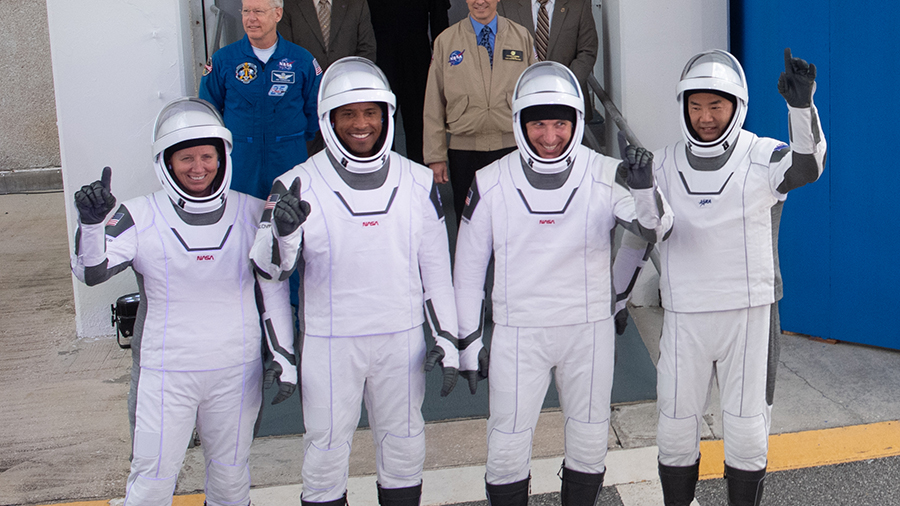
[(266, 89)]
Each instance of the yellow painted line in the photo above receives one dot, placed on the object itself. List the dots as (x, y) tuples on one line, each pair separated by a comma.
[(178, 500), (813, 448)]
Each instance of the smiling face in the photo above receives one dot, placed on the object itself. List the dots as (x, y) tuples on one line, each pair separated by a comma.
[(710, 115), (260, 19), (549, 137), (358, 126), (482, 11), (195, 169)]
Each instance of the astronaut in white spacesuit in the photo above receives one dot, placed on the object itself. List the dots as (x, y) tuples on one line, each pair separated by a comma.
[(365, 228), (199, 317), (720, 281), (547, 212)]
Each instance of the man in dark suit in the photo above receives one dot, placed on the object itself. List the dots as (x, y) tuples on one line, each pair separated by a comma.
[(349, 29), (404, 54), (573, 34)]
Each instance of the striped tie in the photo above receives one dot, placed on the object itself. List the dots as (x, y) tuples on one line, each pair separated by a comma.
[(325, 20), (542, 33)]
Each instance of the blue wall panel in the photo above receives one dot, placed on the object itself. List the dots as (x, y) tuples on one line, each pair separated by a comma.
[(837, 238)]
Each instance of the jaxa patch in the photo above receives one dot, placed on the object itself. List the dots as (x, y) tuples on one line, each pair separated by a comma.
[(245, 72), (282, 77), (456, 57), (278, 90), (285, 64), (513, 55)]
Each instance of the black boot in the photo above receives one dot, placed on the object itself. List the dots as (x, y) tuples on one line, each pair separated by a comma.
[(407, 496), (580, 489), (337, 502), (745, 488), (678, 483), (511, 494)]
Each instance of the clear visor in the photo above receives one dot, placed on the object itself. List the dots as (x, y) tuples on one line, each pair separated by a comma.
[(716, 65), (348, 75), (545, 77), (187, 113)]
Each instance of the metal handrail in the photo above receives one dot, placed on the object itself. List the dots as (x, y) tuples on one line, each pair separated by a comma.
[(612, 110)]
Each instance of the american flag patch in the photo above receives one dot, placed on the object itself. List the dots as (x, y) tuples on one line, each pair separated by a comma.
[(469, 197), (317, 67), (115, 219), (271, 201)]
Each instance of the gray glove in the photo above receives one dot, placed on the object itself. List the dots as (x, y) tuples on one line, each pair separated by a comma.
[(482, 373), (436, 356), (637, 164), (285, 389), (798, 81), (290, 212), (94, 201)]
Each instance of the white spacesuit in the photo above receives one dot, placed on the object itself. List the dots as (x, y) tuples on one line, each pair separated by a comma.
[(371, 246), (549, 223), (199, 315), (720, 281)]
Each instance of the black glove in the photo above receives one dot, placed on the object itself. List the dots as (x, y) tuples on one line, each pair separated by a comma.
[(482, 373), (798, 81), (621, 321), (290, 212), (94, 201), (637, 164), (285, 389), (436, 356)]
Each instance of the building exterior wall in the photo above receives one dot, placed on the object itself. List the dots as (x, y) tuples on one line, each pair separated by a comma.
[(28, 135)]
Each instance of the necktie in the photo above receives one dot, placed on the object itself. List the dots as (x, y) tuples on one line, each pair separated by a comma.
[(325, 20), (542, 32), (485, 41)]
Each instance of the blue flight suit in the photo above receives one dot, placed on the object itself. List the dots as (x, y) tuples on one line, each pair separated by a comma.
[(269, 107)]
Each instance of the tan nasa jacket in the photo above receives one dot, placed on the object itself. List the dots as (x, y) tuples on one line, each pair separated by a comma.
[(468, 98)]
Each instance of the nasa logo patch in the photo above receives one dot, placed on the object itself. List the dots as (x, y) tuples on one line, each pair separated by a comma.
[(456, 57)]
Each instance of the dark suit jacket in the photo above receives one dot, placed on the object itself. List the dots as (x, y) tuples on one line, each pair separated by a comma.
[(351, 29), (573, 34)]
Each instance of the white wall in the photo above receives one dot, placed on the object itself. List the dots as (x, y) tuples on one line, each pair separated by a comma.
[(644, 46), (115, 64)]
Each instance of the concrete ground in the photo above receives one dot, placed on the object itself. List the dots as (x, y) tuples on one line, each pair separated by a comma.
[(64, 431)]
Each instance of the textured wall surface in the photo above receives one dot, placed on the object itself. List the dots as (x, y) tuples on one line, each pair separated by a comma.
[(28, 134)]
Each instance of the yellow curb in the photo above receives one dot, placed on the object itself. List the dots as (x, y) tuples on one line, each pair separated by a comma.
[(824, 447), (178, 500)]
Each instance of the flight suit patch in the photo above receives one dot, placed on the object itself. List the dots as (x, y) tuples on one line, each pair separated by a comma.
[(513, 55)]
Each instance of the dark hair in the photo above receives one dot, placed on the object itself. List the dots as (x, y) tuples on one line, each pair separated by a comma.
[(687, 116)]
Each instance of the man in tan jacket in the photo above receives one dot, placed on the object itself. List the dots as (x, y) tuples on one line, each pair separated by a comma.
[(474, 69)]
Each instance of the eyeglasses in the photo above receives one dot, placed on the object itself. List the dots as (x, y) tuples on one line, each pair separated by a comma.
[(254, 12)]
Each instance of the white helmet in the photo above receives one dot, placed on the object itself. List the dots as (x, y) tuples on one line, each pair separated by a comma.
[(719, 72), (184, 121), (547, 83), (347, 81)]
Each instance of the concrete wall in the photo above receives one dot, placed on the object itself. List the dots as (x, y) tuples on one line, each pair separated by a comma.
[(28, 136), (644, 46), (116, 63)]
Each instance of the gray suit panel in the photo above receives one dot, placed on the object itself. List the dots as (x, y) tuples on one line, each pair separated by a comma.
[(573, 34), (351, 29)]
